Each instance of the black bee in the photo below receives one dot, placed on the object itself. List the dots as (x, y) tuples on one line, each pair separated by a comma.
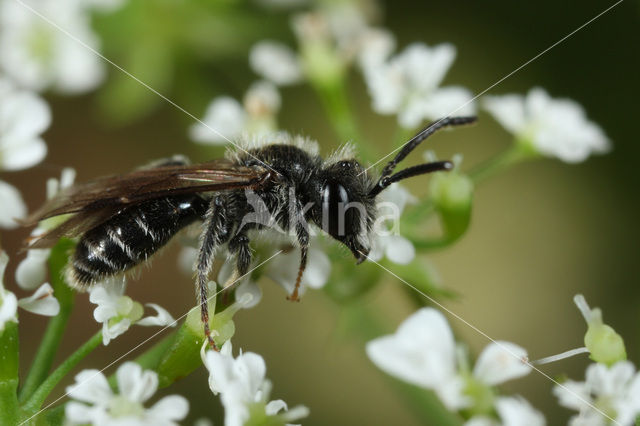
[(122, 220)]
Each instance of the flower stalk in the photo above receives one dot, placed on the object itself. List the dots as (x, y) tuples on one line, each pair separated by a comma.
[(48, 348), (9, 351), (34, 403)]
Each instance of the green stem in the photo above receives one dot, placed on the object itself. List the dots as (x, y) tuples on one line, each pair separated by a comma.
[(33, 404), (517, 152), (9, 350), (48, 348)]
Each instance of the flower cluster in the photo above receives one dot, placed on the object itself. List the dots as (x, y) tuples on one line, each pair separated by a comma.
[(611, 390), (244, 389), (423, 352), (117, 312), (95, 403), (551, 127)]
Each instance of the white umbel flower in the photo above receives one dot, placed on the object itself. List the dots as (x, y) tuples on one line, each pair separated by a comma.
[(275, 62), (612, 391), (553, 127), (38, 55), (117, 312), (243, 387), (408, 85), (94, 402), (423, 352)]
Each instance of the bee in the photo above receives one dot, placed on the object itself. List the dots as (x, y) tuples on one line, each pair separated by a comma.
[(123, 220)]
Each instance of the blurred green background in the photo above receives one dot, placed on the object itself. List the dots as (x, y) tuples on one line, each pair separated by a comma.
[(541, 232)]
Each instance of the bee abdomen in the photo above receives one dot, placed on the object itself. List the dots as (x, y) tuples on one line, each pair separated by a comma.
[(131, 237)]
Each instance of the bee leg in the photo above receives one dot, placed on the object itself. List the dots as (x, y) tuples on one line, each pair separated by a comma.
[(217, 230), (239, 247), (303, 241)]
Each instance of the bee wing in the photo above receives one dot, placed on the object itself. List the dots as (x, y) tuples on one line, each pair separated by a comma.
[(96, 201)]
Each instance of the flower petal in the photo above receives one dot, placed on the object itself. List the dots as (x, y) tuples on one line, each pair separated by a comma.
[(508, 110), (13, 206), (90, 386), (32, 271), (276, 62), (8, 307), (162, 318), (518, 412), (134, 383), (275, 406), (42, 302), (399, 250), (501, 361), (171, 407), (422, 351)]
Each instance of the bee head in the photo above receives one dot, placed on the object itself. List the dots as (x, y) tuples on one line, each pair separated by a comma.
[(346, 210), (348, 193)]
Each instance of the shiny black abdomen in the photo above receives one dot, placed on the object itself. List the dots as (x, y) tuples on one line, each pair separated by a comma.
[(132, 236)]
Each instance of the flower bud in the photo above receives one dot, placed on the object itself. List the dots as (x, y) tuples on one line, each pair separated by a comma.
[(452, 193), (604, 344)]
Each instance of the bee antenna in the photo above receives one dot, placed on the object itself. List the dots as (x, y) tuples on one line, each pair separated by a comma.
[(386, 177)]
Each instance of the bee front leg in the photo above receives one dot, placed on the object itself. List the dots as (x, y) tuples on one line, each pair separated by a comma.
[(217, 229)]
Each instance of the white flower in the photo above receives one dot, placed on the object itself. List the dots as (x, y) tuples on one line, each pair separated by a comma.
[(612, 391), (386, 240), (407, 85), (243, 387), (24, 116), (553, 127), (423, 352), (118, 312), (396, 248), (224, 119), (13, 206), (275, 62), (38, 55), (94, 402), (42, 302), (32, 270)]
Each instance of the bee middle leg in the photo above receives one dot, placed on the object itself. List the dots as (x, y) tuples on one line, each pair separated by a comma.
[(218, 225)]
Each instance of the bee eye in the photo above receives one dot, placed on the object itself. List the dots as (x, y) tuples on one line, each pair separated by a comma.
[(334, 204)]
